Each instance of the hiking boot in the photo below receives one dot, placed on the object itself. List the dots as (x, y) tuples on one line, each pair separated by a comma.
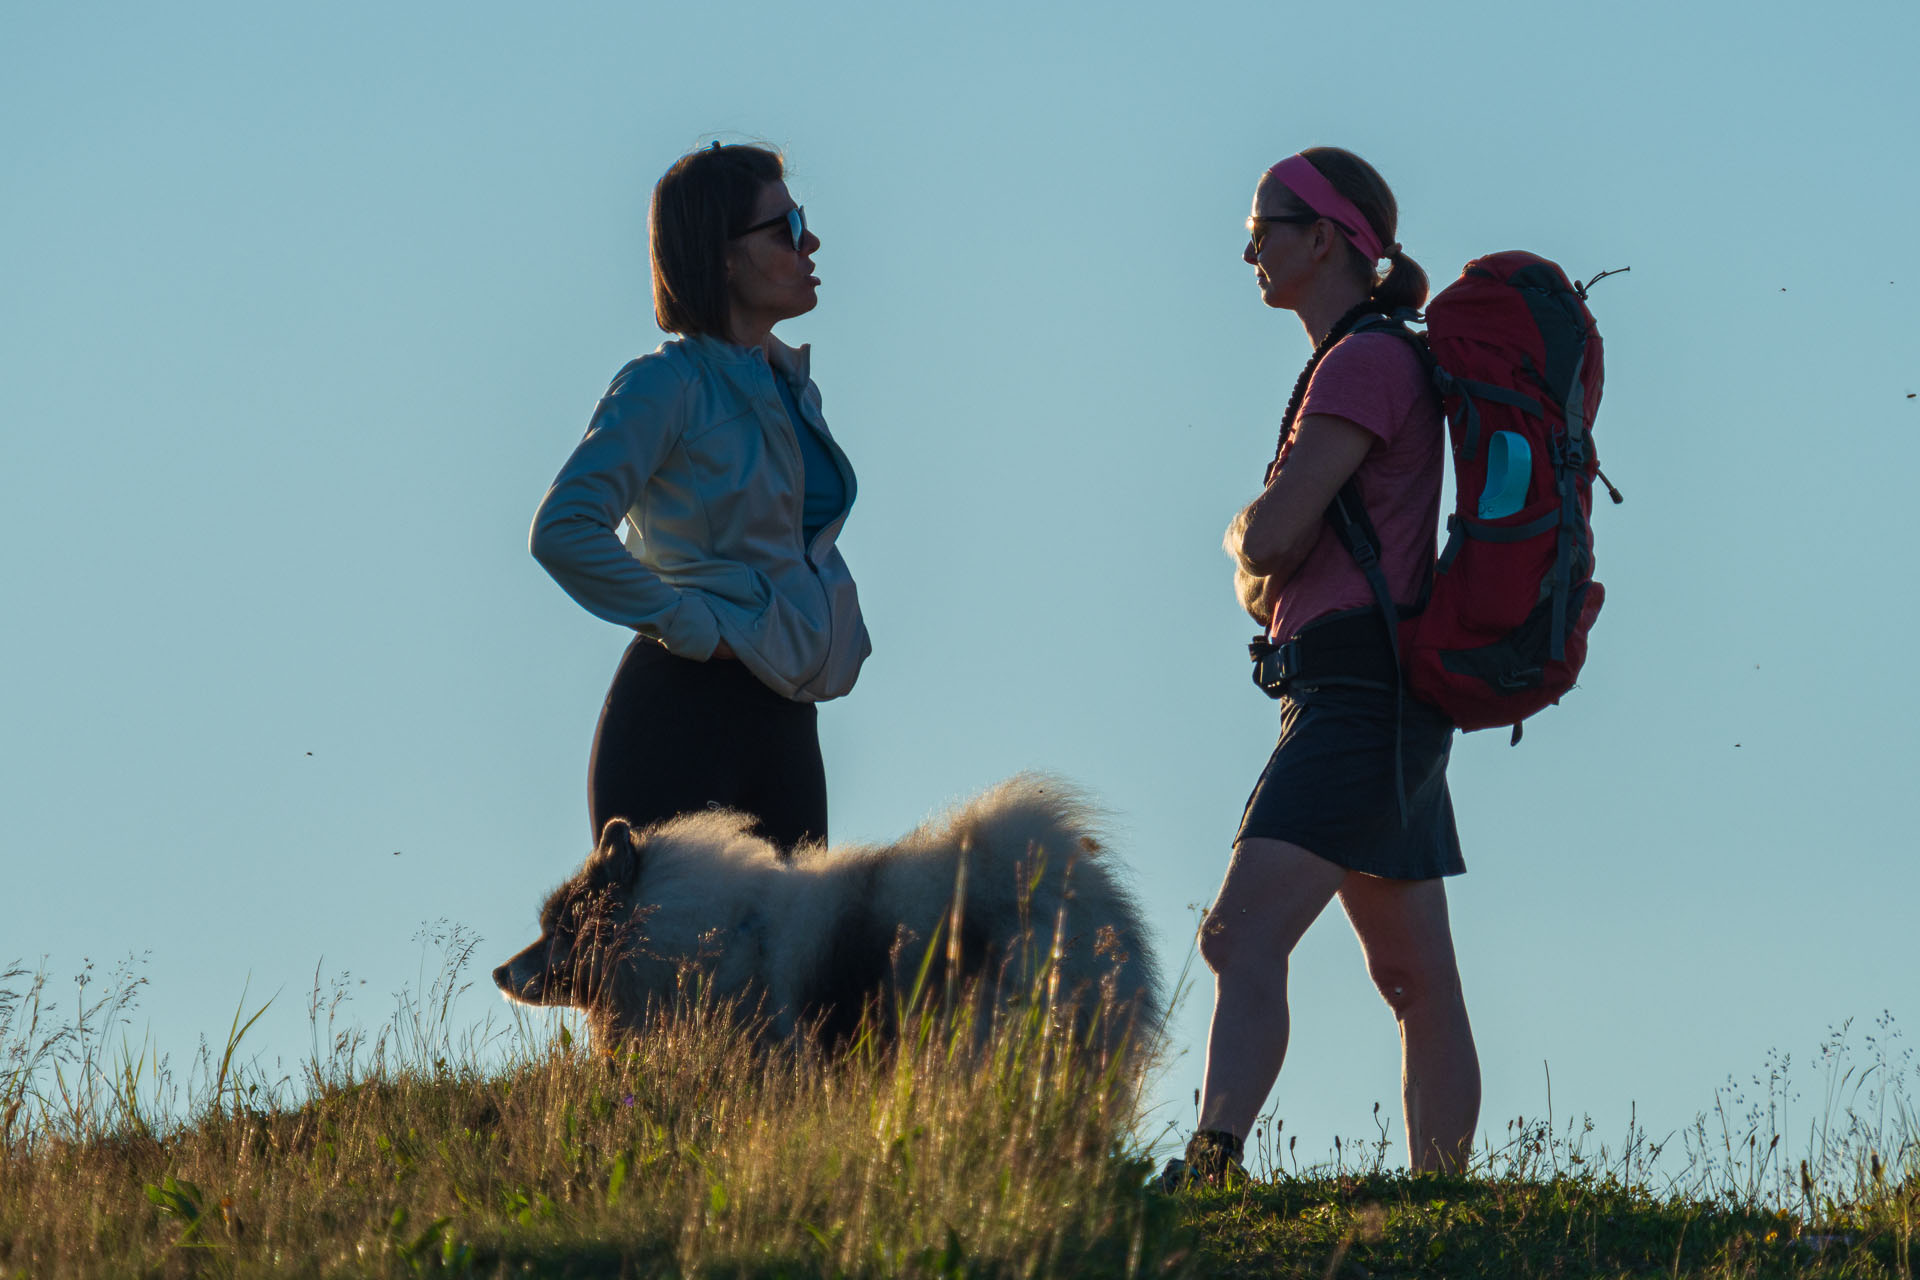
[(1212, 1160), (1176, 1176)]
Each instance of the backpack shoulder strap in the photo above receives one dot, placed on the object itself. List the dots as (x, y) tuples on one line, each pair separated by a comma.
[(1400, 323), (1347, 516)]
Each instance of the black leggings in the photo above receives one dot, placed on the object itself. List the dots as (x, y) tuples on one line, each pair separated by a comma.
[(677, 736)]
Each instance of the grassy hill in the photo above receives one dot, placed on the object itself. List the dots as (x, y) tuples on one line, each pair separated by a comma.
[(693, 1153)]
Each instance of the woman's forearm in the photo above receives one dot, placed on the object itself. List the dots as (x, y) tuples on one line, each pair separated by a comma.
[(574, 534), (1256, 558)]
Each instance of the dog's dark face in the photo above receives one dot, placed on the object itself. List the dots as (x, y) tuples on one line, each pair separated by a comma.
[(585, 926)]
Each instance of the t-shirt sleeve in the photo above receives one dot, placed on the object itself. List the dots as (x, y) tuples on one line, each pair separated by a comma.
[(1371, 379)]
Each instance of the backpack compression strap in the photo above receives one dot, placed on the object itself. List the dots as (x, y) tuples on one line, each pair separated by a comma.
[(1470, 391), (1571, 463)]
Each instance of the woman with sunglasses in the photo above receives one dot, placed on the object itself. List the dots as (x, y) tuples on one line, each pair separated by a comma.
[(714, 452), (1331, 816)]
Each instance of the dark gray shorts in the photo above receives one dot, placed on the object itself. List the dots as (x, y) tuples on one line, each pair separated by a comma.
[(1328, 787)]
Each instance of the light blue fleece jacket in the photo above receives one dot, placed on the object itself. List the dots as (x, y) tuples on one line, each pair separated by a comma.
[(692, 446)]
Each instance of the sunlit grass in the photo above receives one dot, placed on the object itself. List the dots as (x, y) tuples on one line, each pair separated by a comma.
[(429, 1147), (693, 1149)]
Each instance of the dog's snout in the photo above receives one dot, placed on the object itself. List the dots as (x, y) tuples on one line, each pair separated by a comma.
[(503, 979)]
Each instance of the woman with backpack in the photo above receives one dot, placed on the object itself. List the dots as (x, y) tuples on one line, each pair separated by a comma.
[(714, 452), (1333, 813)]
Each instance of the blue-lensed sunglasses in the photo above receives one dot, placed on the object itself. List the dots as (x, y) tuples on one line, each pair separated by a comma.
[(795, 220)]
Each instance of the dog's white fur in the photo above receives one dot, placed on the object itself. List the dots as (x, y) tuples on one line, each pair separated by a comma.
[(795, 937)]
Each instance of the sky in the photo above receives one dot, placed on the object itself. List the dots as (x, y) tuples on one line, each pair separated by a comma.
[(301, 308)]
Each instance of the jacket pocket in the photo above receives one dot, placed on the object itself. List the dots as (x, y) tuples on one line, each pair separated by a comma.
[(848, 644), (743, 591)]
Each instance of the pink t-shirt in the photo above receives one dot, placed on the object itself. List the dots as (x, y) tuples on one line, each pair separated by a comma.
[(1376, 381)]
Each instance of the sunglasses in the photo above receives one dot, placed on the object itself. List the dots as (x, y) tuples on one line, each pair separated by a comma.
[(795, 220), (1255, 234)]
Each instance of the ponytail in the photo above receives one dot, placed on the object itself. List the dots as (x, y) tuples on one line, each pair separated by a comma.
[(1404, 285)]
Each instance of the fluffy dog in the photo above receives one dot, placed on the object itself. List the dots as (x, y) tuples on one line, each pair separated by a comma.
[(819, 939)]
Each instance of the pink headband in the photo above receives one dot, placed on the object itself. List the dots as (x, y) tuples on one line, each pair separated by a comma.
[(1307, 182)]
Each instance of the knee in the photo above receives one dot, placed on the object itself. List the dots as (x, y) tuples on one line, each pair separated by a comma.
[(1216, 944), (1230, 940), (1408, 989)]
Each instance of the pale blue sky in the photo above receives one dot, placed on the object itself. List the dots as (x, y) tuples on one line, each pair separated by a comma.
[(303, 307)]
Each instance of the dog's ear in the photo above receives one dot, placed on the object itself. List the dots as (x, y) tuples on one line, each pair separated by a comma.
[(616, 862)]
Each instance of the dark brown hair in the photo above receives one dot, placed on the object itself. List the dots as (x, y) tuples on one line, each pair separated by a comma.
[(1405, 284), (705, 199)]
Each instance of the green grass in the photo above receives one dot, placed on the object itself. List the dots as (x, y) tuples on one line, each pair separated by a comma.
[(1475, 1226), (417, 1151)]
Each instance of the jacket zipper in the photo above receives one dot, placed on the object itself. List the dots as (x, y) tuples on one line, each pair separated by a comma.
[(806, 547)]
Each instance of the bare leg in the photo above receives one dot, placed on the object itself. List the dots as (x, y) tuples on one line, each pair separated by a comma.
[(1272, 892), (1402, 926)]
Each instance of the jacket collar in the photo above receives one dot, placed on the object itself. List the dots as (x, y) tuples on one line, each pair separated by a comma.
[(794, 362)]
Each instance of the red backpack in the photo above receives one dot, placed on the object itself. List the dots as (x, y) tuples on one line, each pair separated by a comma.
[(1503, 630)]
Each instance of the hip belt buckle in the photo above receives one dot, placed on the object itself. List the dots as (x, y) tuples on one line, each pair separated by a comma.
[(1274, 665)]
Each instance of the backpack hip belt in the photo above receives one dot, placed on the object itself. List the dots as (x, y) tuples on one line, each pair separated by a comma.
[(1343, 650)]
